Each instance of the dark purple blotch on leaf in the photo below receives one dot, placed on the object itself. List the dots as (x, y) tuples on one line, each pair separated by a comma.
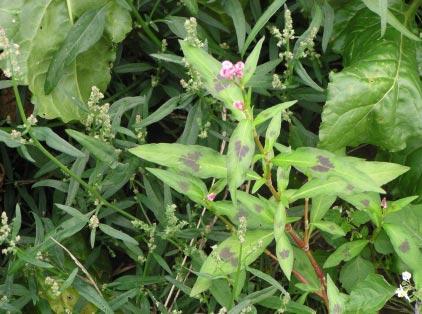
[(284, 254), (242, 213), (404, 247), (324, 164), (184, 186), (228, 256), (241, 150), (350, 187), (191, 160), (258, 208), (365, 203), (220, 83)]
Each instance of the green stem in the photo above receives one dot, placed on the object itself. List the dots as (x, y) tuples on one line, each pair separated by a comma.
[(411, 11), (144, 25), (69, 10)]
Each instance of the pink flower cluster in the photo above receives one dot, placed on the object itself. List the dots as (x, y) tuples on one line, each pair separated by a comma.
[(230, 71)]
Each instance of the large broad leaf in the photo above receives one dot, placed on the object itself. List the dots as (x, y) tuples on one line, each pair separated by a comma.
[(41, 29), (369, 295), (355, 271), (225, 259), (375, 99), (202, 162)]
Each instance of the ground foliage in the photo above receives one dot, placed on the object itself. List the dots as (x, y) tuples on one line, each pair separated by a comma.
[(139, 173)]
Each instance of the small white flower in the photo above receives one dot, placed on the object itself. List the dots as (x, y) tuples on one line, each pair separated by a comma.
[(406, 275), (402, 293)]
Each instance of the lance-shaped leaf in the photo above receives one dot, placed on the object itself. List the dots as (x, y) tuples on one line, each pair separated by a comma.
[(345, 252), (252, 61), (225, 259), (101, 150), (55, 141), (320, 206), (332, 186), (272, 111), (239, 155), (335, 299), (375, 99), (256, 211), (404, 245), (87, 30), (321, 164), (200, 161), (183, 183), (284, 250), (209, 70), (329, 227)]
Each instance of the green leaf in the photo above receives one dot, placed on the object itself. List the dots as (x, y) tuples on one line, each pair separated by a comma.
[(262, 21), (87, 30), (40, 28), (168, 57), (228, 252), (168, 107), (17, 221), (252, 61), (320, 206), (199, 161), (73, 212), (380, 172), (7, 139), (272, 111), (240, 152), (92, 295), (355, 271), (345, 252), (397, 205), (320, 186), (335, 299), (31, 259), (374, 99), (55, 141), (370, 295), (404, 245), (69, 280), (329, 227), (117, 234), (185, 184), (380, 7), (256, 211), (273, 132), (304, 76), (284, 250), (234, 9), (328, 24), (267, 278), (101, 150), (318, 163), (209, 70), (368, 202), (192, 6)]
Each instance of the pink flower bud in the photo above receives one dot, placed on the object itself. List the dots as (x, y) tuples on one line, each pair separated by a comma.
[(238, 67), (239, 105), (211, 196), (384, 203), (227, 70)]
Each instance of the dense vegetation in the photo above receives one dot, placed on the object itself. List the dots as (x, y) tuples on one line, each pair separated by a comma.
[(200, 156)]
